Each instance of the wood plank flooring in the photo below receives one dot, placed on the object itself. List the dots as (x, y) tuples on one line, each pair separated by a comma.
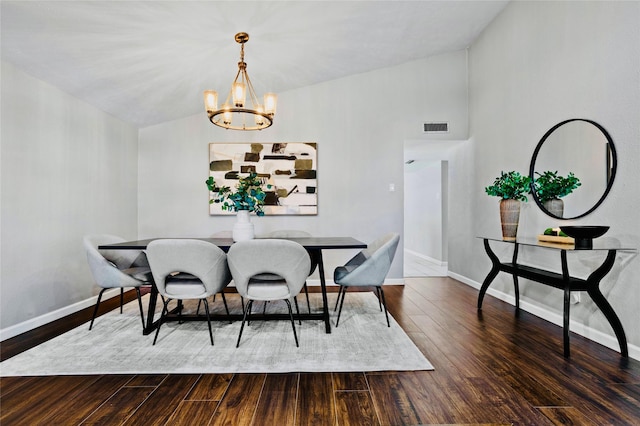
[(491, 367)]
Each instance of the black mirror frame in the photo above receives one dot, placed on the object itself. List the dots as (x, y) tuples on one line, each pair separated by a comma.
[(611, 168)]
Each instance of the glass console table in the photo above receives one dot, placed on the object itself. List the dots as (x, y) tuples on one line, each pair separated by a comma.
[(563, 281)]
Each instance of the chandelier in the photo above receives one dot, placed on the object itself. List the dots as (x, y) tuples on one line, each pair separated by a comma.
[(236, 113)]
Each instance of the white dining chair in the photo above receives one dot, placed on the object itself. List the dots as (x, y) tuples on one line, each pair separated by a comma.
[(248, 260), (295, 233), (368, 268), (186, 269), (116, 269)]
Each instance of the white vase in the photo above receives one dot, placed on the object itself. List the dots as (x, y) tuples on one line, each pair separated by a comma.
[(243, 228)]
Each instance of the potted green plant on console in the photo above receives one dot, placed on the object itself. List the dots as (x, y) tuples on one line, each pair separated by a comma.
[(512, 188), (248, 197), (550, 187)]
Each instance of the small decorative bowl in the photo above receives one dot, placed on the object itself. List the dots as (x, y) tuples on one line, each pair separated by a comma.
[(584, 235)]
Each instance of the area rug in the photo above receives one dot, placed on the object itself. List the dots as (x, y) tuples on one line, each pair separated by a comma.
[(362, 342)]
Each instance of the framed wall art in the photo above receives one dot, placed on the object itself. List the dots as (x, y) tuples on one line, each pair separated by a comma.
[(290, 169)]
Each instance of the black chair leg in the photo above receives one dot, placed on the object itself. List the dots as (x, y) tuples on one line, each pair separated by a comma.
[(121, 298), (140, 306), (295, 300), (293, 323), (344, 292), (165, 312), (206, 309), (224, 300), (198, 308), (379, 299), (384, 303), (338, 299), (244, 318), (306, 292), (95, 310)]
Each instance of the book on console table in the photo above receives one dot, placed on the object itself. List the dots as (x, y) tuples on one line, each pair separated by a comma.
[(555, 239)]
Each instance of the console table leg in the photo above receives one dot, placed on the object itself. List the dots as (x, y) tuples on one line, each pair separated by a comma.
[(567, 302), (593, 282), (610, 315), (565, 322), (517, 289), (495, 268)]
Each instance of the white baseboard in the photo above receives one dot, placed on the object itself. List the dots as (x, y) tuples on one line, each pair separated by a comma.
[(14, 330), (608, 340), (425, 257)]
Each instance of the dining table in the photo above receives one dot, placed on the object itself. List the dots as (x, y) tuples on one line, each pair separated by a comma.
[(313, 245)]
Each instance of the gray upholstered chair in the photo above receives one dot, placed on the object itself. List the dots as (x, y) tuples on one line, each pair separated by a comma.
[(368, 268), (295, 233), (116, 269), (248, 260), (187, 269)]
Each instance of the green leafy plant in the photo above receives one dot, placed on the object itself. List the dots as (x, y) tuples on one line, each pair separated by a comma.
[(550, 185), (510, 186), (247, 196)]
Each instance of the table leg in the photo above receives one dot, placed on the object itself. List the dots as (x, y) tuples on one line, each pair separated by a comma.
[(565, 322), (516, 285), (495, 268), (593, 282), (151, 309), (567, 303), (323, 285)]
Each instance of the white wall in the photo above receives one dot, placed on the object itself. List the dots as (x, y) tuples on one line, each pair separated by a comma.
[(537, 64), (360, 124), (68, 169)]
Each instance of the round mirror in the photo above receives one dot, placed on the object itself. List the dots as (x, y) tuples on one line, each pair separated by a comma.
[(573, 168)]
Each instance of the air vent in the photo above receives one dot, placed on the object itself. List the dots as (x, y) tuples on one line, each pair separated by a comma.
[(436, 127)]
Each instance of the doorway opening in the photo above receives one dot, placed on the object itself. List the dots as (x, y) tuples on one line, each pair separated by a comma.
[(425, 218)]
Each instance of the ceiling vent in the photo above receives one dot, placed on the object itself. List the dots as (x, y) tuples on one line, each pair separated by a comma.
[(441, 127)]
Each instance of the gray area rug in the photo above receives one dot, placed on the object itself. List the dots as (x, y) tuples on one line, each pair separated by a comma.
[(362, 342)]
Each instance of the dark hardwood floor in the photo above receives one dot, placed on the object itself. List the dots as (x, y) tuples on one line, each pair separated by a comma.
[(490, 368)]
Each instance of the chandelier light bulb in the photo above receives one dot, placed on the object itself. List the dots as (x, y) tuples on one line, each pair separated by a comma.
[(210, 100)]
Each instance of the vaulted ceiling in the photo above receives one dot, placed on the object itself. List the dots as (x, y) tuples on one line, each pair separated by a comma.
[(148, 62)]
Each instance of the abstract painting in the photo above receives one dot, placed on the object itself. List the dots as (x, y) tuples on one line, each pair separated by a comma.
[(290, 169)]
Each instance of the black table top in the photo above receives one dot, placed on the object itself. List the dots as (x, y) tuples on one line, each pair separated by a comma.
[(224, 243)]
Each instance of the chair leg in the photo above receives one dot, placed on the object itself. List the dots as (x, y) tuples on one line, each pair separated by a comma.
[(293, 323), (244, 318), (140, 306), (338, 299), (198, 308), (306, 292), (379, 299), (165, 311), (206, 309), (224, 300), (384, 303), (95, 310), (343, 289), (295, 301), (121, 298)]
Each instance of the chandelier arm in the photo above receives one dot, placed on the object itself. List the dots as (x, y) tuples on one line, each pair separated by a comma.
[(252, 92)]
